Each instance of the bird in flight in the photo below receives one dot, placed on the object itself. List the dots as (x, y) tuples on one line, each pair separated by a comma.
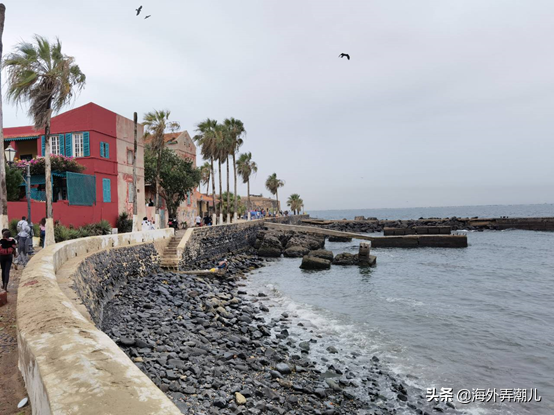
[(344, 55), (147, 16), (139, 10)]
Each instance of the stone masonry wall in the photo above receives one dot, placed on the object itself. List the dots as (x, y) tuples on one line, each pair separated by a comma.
[(99, 276), (216, 241)]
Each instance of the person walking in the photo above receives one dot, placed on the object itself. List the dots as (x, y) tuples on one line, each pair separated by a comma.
[(42, 226), (22, 238), (198, 221), (7, 252)]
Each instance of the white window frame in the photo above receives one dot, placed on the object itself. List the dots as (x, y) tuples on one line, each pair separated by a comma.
[(78, 143), (55, 139)]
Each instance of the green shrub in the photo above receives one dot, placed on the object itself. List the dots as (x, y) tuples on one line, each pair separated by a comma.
[(36, 229), (124, 224), (13, 227), (14, 178), (61, 233)]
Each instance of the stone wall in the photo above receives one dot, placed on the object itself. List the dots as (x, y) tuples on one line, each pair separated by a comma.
[(99, 276), (217, 241), (69, 366)]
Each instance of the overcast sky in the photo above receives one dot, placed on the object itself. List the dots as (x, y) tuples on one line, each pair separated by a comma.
[(444, 102)]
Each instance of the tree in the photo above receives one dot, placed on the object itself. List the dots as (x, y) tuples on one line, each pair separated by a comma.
[(207, 140), (295, 203), (236, 131), (241, 209), (157, 123), (221, 151), (3, 189), (14, 178), (42, 75), (273, 184), (177, 176), (205, 175), (246, 167)]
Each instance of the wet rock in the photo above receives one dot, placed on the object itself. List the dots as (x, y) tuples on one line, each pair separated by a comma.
[(296, 251), (346, 259), (314, 263), (283, 368), (322, 253)]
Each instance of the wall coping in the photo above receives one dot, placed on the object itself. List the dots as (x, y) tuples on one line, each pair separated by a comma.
[(69, 366)]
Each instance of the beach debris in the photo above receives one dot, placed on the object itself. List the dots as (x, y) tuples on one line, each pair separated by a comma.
[(22, 403)]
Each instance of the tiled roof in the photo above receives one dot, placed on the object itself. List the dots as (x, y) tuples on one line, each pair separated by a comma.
[(167, 137)]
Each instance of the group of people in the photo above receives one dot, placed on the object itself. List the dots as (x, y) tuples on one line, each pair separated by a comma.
[(205, 221), (17, 252), (148, 225), (262, 213)]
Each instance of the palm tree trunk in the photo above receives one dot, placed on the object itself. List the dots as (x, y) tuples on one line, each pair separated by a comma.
[(277, 198), (248, 198), (220, 189), (3, 189), (49, 238), (158, 168), (227, 211), (236, 198), (213, 185)]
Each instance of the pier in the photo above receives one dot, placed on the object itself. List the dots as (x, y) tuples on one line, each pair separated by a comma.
[(401, 241)]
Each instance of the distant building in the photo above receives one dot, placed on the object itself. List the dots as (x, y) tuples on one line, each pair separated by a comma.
[(102, 141), (260, 202), (196, 203)]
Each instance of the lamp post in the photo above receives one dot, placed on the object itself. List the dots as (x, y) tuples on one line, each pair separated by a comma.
[(9, 152)]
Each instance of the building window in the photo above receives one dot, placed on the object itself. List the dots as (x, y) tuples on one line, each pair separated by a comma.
[(107, 190), (78, 145), (55, 144), (130, 156), (104, 150)]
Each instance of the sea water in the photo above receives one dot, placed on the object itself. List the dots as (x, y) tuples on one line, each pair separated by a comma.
[(479, 318)]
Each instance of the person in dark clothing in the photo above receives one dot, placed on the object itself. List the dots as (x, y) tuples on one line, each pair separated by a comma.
[(7, 252), (207, 220)]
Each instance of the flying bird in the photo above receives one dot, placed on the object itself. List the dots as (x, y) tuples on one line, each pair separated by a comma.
[(139, 10), (147, 16), (344, 55)]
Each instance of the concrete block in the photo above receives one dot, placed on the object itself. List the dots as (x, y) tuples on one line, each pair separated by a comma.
[(395, 242), (443, 241), (421, 230)]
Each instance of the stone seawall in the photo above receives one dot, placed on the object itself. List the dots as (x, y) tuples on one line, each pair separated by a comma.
[(212, 242), (99, 276), (69, 366), (217, 241)]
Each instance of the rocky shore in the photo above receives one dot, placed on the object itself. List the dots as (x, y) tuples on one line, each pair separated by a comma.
[(214, 347)]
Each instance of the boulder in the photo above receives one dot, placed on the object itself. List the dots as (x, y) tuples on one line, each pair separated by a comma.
[(322, 253), (270, 247), (312, 242), (296, 252), (312, 262), (346, 259), (339, 239)]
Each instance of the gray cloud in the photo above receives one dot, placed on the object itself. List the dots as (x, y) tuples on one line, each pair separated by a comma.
[(443, 103)]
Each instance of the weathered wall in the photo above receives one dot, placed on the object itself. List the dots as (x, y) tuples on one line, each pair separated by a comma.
[(216, 241), (98, 277), (69, 366)]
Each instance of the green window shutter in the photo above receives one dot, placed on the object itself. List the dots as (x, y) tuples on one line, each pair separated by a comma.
[(62, 145), (101, 149), (68, 145), (43, 145), (86, 144), (107, 150), (106, 190)]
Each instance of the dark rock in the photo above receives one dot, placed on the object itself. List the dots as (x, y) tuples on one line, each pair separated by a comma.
[(322, 253), (314, 263)]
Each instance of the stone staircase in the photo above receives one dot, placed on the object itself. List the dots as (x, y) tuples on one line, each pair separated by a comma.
[(169, 259)]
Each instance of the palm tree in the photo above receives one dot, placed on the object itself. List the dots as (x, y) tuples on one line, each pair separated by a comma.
[(205, 175), (246, 167), (236, 132), (295, 203), (41, 74), (207, 140), (3, 188), (157, 123), (221, 151), (273, 184)]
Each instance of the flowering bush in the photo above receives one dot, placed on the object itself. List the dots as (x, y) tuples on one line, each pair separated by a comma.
[(60, 163)]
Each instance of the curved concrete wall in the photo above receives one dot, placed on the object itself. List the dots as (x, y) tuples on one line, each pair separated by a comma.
[(69, 366)]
